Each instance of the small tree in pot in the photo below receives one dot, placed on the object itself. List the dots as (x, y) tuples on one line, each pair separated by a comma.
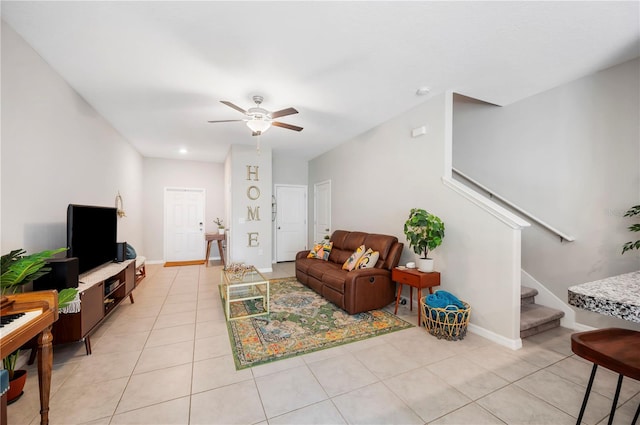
[(424, 232)]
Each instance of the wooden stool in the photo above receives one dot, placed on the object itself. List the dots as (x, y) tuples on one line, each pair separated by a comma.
[(613, 348)]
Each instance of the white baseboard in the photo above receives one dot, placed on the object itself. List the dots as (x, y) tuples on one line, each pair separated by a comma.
[(514, 344), (163, 261), (581, 328)]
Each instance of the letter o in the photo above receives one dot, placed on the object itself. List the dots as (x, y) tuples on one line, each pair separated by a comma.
[(253, 192)]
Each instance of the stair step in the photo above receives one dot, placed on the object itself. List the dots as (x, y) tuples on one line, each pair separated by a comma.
[(536, 318), (527, 295)]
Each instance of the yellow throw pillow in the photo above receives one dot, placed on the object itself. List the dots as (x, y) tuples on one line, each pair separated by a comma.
[(321, 251), (351, 262), (368, 259)]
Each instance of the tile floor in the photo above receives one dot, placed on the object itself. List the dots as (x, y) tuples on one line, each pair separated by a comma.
[(167, 360)]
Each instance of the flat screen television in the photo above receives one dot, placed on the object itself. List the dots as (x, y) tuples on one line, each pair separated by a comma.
[(91, 235)]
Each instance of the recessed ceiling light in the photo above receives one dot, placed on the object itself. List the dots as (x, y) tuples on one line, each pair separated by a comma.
[(183, 151), (422, 91)]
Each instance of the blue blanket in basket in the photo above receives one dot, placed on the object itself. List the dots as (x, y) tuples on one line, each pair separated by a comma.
[(452, 311), (444, 299)]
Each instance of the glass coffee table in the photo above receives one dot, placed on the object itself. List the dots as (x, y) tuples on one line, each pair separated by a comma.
[(238, 287)]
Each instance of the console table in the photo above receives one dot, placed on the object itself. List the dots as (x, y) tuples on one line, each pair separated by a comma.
[(209, 237), (415, 279), (100, 291), (617, 296)]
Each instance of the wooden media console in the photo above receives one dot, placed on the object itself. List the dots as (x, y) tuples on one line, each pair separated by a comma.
[(100, 291)]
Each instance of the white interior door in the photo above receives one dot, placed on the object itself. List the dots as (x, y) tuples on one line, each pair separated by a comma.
[(291, 221), (184, 224), (322, 210)]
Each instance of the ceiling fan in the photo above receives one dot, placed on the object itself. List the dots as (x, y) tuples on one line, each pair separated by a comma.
[(259, 119)]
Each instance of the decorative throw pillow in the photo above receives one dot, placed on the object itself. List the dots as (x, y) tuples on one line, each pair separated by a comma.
[(351, 262), (368, 259), (321, 251), (130, 253)]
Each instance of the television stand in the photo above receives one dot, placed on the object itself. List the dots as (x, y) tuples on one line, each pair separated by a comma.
[(100, 290)]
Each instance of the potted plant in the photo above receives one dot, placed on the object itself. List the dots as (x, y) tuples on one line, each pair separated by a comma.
[(635, 210), (17, 270), (424, 232), (221, 229)]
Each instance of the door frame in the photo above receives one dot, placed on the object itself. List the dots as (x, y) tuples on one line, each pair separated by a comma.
[(274, 216), (315, 205), (164, 213)]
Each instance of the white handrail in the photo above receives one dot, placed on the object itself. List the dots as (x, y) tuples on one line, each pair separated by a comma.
[(492, 194)]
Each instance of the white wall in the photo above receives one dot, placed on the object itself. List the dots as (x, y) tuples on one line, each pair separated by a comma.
[(57, 150), (162, 173), (258, 252), (379, 176), (289, 170), (570, 156)]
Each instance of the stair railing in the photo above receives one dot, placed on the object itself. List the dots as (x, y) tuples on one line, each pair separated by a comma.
[(493, 195)]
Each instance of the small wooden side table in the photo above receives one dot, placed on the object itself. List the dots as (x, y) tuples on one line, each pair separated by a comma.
[(214, 237), (415, 279)]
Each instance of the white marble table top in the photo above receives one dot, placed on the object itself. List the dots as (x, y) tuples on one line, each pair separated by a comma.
[(617, 296)]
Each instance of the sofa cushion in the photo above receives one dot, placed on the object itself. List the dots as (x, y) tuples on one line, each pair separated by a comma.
[(354, 240), (353, 259), (380, 243), (319, 268), (334, 279), (303, 264)]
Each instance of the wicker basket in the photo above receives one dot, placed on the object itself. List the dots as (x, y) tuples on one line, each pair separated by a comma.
[(442, 323)]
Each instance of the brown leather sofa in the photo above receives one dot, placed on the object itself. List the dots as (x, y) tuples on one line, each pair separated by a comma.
[(357, 290)]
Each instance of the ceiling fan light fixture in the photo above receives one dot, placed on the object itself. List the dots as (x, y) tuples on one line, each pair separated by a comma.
[(258, 125)]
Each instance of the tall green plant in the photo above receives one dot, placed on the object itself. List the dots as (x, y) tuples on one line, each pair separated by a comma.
[(635, 210), (424, 231)]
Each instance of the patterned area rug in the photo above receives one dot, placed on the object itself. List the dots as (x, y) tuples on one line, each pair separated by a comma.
[(300, 322)]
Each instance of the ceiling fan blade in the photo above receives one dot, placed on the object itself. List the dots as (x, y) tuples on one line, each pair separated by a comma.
[(225, 121), (284, 113), (287, 126), (231, 105)]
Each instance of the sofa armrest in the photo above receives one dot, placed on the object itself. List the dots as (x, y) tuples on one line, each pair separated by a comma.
[(302, 254), (368, 289)]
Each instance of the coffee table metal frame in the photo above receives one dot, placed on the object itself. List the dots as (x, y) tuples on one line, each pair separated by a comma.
[(252, 286)]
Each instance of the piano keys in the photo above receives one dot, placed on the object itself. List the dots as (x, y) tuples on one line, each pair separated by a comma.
[(41, 310), (11, 322)]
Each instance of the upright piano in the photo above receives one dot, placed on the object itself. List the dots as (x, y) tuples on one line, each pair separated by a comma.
[(41, 308)]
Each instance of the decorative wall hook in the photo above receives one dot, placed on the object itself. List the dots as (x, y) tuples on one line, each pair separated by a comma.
[(120, 206)]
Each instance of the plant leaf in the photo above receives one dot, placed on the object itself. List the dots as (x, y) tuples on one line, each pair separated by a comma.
[(18, 269), (66, 296)]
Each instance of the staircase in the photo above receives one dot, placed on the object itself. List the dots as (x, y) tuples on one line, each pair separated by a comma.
[(535, 318)]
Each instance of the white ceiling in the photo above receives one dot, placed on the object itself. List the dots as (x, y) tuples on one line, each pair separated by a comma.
[(157, 70)]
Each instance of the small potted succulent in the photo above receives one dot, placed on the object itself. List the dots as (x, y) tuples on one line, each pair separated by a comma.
[(221, 228), (17, 270), (424, 232)]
